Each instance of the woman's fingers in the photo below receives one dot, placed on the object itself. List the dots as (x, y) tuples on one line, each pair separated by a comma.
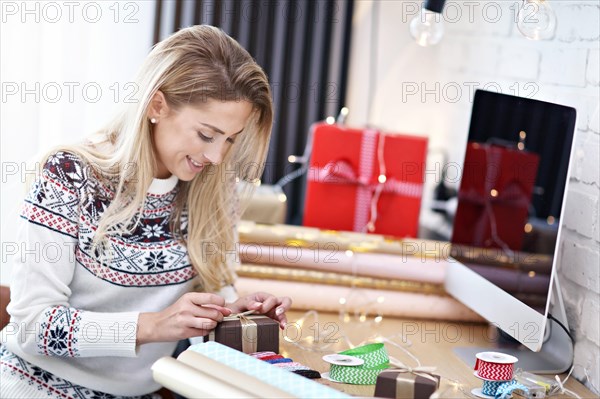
[(268, 304), (203, 323), (200, 298), (224, 311), (275, 308), (285, 303)]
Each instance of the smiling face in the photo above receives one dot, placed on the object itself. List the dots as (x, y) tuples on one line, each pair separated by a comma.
[(188, 139)]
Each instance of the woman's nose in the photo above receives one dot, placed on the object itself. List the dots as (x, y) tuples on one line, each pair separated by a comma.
[(214, 154)]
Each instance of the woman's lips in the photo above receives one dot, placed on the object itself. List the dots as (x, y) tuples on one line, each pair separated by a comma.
[(194, 166)]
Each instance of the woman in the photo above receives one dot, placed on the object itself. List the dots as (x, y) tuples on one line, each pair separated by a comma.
[(134, 230)]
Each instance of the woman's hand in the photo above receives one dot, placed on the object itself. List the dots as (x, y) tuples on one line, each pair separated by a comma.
[(263, 303), (194, 314)]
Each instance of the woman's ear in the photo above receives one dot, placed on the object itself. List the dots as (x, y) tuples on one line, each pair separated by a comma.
[(158, 107)]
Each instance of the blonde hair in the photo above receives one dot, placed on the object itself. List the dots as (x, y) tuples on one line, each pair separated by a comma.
[(192, 66)]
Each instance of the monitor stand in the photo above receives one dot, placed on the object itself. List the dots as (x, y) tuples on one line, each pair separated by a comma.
[(556, 355)]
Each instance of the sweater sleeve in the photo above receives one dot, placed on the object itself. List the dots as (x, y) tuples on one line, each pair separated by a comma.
[(44, 267)]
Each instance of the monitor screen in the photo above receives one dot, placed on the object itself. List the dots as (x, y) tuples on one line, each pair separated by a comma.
[(510, 201)]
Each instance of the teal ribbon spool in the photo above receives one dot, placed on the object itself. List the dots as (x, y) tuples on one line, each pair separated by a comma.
[(491, 387), (375, 360)]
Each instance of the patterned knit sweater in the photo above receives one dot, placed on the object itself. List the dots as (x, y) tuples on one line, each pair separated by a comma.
[(74, 316)]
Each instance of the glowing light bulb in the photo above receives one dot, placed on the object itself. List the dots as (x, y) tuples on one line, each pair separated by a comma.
[(536, 20), (427, 28)]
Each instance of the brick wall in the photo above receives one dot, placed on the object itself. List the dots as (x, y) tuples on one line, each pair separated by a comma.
[(429, 91)]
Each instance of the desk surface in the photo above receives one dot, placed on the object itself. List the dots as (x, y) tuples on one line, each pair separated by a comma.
[(430, 341)]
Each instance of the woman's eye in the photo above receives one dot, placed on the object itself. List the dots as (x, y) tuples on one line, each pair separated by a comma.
[(231, 140), (206, 138)]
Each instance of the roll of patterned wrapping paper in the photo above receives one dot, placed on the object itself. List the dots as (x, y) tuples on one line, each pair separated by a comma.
[(331, 278), (375, 360), (399, 304), (281, 235), (426, 270)]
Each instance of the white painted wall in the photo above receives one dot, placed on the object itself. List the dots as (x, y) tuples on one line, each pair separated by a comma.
[(66, 67), (428, 91)]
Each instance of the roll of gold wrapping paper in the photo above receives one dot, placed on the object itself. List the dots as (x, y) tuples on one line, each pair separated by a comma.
[(326, 298), (411, 268), (310, 237), (330, 278)]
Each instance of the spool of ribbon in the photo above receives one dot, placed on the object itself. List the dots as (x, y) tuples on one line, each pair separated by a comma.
[(491, 387), (494, 366), (375, 360)]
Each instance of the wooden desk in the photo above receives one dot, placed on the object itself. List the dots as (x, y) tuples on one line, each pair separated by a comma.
[(431, 343)]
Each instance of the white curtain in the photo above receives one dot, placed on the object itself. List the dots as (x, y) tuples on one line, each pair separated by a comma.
[(66, 68)]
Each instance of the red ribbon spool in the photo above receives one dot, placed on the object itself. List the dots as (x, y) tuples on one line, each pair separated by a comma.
[(495, 366)]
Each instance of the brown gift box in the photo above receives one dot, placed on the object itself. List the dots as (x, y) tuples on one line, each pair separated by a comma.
[(403, 384), (247, 333)]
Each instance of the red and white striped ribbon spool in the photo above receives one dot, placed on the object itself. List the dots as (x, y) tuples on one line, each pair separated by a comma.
[(495, 366)]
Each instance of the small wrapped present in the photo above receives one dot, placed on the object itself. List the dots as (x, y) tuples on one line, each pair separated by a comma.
[(247, 333), (406, 383)]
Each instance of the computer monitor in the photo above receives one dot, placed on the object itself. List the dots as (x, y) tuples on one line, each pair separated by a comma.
[(508, 225)]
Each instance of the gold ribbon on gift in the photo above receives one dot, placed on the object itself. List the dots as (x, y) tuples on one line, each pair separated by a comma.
[(249, 330), (405, 380)]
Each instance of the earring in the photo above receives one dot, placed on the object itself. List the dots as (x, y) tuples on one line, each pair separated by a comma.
[(153, 120)]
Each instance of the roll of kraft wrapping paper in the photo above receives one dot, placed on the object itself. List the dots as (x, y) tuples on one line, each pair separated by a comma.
[(514, 281), (192, 383), (427, 270), (398, 304)]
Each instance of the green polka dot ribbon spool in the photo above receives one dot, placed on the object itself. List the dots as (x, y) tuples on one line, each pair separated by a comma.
[(375, 360)]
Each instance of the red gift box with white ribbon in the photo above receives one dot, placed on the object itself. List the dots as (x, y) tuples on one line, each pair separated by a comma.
[(494, 197), (365, 181)]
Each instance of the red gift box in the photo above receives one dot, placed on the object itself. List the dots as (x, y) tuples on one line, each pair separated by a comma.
[(365, 180), (494, 196)]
